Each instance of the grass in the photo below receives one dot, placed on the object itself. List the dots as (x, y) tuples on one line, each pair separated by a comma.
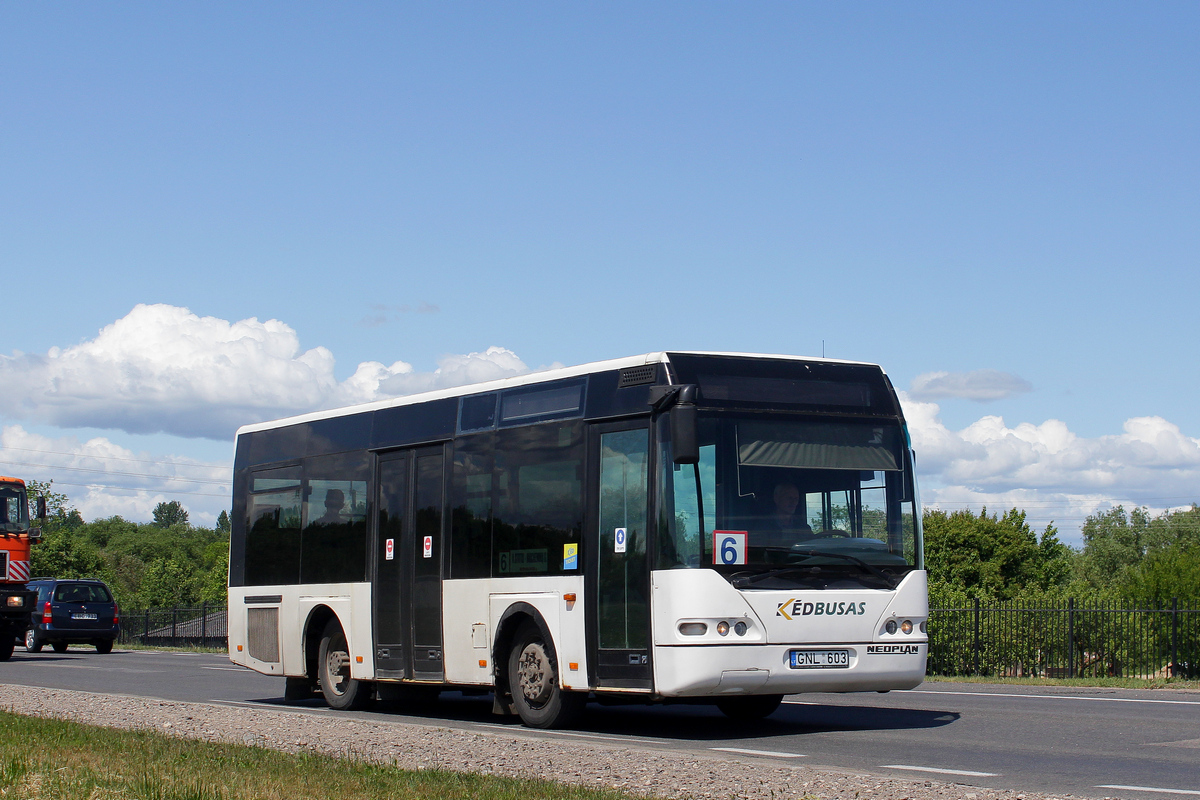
[(42, 759), (1101, 683)]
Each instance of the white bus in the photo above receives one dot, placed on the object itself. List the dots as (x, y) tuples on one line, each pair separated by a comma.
[(673, 527)]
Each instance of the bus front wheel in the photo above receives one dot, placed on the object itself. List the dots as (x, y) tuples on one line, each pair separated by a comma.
[(341, 691), (533, 682), (750, 707)]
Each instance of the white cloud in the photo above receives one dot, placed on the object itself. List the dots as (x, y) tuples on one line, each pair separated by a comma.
[(103, 479), (1050, 470), (162, 368), (981, 385)]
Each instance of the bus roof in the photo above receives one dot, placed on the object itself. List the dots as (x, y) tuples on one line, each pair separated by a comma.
[(663, 357)]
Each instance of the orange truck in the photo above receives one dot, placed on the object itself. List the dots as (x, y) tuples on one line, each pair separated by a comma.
[(17, 602)]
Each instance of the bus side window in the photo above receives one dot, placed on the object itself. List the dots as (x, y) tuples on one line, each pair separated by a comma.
[(273, 527)]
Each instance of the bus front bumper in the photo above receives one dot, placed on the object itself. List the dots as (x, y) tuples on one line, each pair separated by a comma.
[(721, 671)]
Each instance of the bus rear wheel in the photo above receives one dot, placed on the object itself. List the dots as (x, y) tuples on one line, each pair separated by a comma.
[(341, 691), (533, 681), (750, 707)]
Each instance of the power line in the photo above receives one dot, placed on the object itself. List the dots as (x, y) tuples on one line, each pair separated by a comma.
[(121, 458), (136, 489), (112, 472)]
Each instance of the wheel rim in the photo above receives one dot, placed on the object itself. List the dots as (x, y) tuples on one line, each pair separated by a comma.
[(28, 639), (337, 665), (534, 674)]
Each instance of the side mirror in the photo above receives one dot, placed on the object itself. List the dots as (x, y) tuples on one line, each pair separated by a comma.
[(41, 507), (685, 446)]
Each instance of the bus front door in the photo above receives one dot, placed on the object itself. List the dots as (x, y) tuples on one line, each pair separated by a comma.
[(408, 565), (618, 576)]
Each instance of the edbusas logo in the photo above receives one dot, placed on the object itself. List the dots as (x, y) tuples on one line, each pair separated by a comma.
[(792, 608)]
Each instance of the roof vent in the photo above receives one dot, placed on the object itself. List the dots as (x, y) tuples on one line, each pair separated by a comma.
[(638, 376)]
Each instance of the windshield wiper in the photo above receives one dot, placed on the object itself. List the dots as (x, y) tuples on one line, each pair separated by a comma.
[(749, 580), (871, 568)]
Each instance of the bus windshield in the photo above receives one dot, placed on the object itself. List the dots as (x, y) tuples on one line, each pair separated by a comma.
[(791, 502), (14, 512)]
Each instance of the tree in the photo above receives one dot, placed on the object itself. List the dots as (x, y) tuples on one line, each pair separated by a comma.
[(166, 582), (64, 554), (59, 511), (223, 522), (992, 557), (168, 514)]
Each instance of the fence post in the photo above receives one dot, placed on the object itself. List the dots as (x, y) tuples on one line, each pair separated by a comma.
[(203, 624), (146, 627), (1174, 637), (975, 647), (1071, 638), (174, 623)]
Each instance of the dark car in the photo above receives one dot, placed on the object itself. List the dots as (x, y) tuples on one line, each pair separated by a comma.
[(72, 611)]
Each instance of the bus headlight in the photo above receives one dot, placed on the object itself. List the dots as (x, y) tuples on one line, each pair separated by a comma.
[(723, 628), (693, 628), (923, 627), (906, 626), (891, 626), (740, 629)]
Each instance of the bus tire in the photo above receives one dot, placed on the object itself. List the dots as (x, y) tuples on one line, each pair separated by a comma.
[(533, 681), (341, 691), (750, 707)]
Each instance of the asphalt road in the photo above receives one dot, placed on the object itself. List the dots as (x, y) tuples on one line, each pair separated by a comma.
[(1087, 742)]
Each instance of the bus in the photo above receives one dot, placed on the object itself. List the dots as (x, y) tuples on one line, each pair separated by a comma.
[(672, 527)]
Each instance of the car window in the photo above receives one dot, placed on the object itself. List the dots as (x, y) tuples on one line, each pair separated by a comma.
[(80, 593)]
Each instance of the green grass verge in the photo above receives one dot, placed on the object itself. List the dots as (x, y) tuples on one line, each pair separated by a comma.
[(42, 759), (1100, 683)]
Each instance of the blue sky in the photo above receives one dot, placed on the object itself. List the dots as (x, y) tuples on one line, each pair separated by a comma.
[(996, 202)]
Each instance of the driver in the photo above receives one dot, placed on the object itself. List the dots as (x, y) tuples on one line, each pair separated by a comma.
[(783, 527)]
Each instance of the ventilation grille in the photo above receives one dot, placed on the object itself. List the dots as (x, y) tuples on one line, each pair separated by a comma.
[(637, 376), (262, 626)]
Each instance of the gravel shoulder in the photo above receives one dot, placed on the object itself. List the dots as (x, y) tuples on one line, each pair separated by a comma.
[(655, 773)]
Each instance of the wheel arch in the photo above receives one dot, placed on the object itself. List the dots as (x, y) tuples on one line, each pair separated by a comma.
[(310, 637), (510, 622)]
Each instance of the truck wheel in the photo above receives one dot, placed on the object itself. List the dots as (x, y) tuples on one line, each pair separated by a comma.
[(59, 647), (32, 643), (7, 643), (533, 682), (104, 646), (341, 691)]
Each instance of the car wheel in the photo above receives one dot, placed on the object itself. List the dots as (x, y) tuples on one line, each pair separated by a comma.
[(533, 682), (341, 691), (750, 707), (33, 644), (104, 646), (59, 647)]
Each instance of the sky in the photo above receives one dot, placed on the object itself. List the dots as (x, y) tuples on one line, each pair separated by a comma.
[(216, 214)]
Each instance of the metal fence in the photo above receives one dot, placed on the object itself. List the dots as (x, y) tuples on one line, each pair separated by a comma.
[(998, 640), (1079, 641), (201, 626)]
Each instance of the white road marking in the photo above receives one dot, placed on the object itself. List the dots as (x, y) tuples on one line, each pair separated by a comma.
[(941, 771), (772, 753), (1148, 789), (1062, 697), (530, 731)]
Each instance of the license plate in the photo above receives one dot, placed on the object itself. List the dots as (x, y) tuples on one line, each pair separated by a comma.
[(820, 659), (83, 616)]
